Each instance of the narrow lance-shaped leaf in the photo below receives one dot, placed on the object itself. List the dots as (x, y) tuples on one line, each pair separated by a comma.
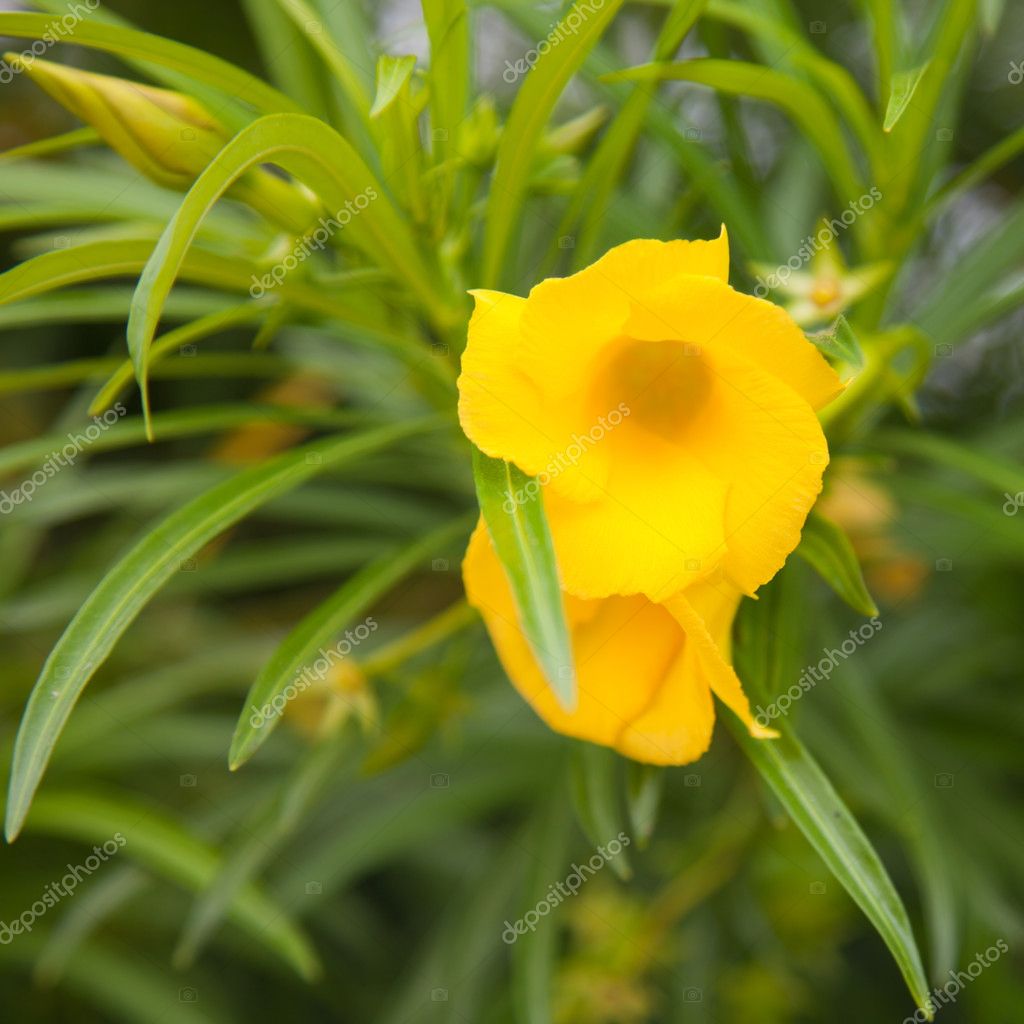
[(530, 113), (810, 800), (163, 846), (826, 547), (514, 514), (134, 45), (798, 99), (840, 343), (768, 658), (901, 92), (128, 586), (319, 627), (315, 154)]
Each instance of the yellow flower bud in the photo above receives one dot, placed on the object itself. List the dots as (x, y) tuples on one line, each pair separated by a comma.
[(169, 137)]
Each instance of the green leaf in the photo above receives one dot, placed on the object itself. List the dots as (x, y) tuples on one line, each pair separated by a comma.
[(163, 846), (392, 74), (128, 586), (825, 546), (644, 785), (174, 339), (833, 79), (319, 627), (313, 153), (1001, 474), (901, 92), (229, 80), (94, 261), (595, 793), (514, 513), (311, 24), (606, 167), (447, 24), (840, 343), (278, 819), (766, 654), (62, 143), (102, 305), (535, 953), (288, 58), (798, 99), (530, 112), (806, 793)]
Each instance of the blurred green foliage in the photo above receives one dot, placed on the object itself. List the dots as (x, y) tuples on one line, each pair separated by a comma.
[(366, 862)]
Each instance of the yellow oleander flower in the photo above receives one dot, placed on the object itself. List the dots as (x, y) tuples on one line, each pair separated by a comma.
[(670, 419), (645, 672)]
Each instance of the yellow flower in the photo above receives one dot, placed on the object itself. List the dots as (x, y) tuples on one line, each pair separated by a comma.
[(670, 419), (645, 672)]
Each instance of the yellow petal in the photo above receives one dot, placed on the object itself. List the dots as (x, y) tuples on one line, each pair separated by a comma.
[(659, 525), (637, 265), (507, 413), (710, 314), (639, 690), (705, 612), (676, 727), (757, 433)]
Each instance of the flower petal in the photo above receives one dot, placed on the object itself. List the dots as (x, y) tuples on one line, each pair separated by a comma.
[(710, 314), (766, 440), (504, 408), (705, 612), (627, 651), (658, 526), (676, 727)]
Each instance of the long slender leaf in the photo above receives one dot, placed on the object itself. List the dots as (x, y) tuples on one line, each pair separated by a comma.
[(162, 845), (523, 542), (350, 600), (526, 122), (130, 43), (130, 584), (825, 546), (766, 656), (795, 97), (314, 153)]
